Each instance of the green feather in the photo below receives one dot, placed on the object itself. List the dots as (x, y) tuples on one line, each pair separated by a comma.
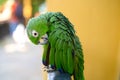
[(52, 57), (70, 60), (58, 60), (45, 53)]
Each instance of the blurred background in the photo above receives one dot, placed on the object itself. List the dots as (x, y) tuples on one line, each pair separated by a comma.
[(97, 23)]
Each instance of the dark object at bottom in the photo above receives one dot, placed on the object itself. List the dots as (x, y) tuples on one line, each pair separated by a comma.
[(56, 75), (63, 76)]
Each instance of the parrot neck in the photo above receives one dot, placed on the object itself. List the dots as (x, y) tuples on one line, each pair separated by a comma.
[(50, 25), (50, 29)]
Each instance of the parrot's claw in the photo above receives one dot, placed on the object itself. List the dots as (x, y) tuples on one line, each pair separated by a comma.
[(48, 69)]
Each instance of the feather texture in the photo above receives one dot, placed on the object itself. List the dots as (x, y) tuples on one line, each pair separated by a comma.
[(63, 51), (69, 55)]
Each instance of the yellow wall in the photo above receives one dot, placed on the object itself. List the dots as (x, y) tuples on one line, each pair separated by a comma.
[(119, 60), (97, 24)]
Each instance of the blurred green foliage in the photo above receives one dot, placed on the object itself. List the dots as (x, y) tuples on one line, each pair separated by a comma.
[(35, 5), (2, 2)]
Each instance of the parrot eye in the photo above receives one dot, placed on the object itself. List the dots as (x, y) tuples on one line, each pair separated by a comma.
[(34, 33)]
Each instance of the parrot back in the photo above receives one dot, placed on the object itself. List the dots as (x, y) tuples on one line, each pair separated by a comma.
[(65, 52)]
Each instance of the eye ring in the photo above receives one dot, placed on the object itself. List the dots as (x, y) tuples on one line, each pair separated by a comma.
[(34, 33)]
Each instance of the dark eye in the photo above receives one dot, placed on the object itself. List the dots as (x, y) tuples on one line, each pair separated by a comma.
[(35, 33)]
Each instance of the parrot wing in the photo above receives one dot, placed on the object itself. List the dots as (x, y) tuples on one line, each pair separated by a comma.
[(61, 53), (65, 51)]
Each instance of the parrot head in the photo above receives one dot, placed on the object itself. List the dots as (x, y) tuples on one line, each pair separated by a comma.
[(37, 30)]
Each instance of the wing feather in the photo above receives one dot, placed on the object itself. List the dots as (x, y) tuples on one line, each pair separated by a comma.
[(68, 55), (63, 49)]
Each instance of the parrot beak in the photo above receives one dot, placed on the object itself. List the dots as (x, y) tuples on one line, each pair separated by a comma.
[(43, 40)]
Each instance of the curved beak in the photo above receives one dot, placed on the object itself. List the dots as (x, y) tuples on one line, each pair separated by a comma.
[(43, 40)]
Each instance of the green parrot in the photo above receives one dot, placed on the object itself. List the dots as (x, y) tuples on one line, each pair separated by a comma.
[(62, 48)]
